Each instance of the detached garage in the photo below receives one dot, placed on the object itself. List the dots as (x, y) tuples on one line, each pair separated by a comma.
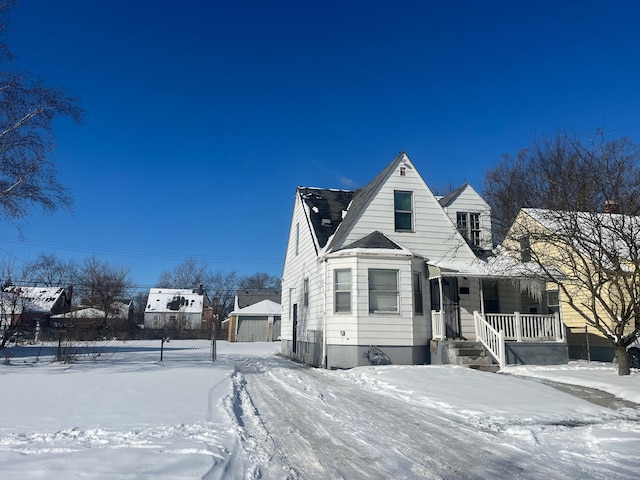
[(259, 322)]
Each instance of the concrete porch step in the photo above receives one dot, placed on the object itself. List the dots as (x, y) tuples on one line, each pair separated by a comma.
[(471, 355)]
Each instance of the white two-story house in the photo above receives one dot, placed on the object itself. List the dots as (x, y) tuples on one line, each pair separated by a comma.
[(380, 274)]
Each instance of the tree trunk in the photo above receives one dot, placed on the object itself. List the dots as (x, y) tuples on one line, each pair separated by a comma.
[(623, 360)]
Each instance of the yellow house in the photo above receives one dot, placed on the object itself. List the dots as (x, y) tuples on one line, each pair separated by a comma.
[(592, 264)]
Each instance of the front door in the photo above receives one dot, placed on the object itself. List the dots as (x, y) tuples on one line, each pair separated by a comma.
[(450, 307)]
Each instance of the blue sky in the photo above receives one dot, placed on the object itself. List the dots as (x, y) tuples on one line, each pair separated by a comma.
[(203, 116)]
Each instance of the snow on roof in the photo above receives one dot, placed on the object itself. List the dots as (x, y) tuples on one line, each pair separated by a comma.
[(613, 231), (265, 307), (89, 312), (167, 300), (40, 299)]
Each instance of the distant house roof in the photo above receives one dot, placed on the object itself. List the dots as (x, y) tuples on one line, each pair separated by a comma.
[(170, 300), (87, 312), (40, 299), (265, 307), (244, 298)]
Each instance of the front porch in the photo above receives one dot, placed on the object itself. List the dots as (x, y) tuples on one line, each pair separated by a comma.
[(512, 339)]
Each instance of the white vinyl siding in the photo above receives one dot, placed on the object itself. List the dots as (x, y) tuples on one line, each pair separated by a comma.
[(478, 228), (433, 235)]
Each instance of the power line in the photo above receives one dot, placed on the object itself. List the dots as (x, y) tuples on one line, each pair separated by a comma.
[(135, 253)]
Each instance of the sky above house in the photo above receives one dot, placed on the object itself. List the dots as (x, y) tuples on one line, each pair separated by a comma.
[(203, 117)]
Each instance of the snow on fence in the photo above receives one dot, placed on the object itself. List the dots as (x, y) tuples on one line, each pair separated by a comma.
[(74, 351)]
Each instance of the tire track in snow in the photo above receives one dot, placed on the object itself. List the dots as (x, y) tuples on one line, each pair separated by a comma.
[(326, 427), (261, 446)]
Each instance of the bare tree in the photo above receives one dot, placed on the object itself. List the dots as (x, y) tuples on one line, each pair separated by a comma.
[(222, 295), (259, 281), (564, 172), (48, 270), (189, 274), (100, 285), (583, 228), (28, 108)]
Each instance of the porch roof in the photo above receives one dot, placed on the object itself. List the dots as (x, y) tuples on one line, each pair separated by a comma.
[(500, 265)]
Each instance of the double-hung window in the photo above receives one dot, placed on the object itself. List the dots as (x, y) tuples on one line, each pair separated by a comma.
[(469, 227), (403, 211), (342, 290), (383, 291)]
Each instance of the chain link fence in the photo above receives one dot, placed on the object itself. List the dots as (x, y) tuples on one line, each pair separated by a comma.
[(69, 346)]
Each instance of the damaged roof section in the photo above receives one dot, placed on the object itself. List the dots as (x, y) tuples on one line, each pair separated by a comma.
[(326, 209)]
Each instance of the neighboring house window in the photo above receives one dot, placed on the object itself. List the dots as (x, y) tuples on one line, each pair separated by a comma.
[(297, 237), (383, 291), (403, 210), (342, 288), (305, 292), (469, 227), (525, 249), (417, 294), (553, 301)]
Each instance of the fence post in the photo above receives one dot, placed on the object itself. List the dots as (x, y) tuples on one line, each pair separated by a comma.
[(213, 344), (518, 326), (586, 336), (161, 348)]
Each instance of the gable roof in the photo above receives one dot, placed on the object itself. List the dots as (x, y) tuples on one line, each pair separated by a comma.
[(362, 199), (174, 300), (265, 307), (325, 210), (450, 197), (244, 298), (41, 299), (609, 231)]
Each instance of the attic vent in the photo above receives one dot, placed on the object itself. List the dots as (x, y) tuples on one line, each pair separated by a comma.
[(403, 171), (326, 222)]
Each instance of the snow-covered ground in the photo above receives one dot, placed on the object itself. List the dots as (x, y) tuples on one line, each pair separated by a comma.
[(253, 414)]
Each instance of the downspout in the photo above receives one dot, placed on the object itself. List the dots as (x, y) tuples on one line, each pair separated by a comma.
[(324, 314)]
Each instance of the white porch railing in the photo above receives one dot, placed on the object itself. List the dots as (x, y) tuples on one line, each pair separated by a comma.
[(437, 325), (492, 339), (527, 327)]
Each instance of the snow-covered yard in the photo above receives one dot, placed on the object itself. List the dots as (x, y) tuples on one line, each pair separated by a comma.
[(253, 414)]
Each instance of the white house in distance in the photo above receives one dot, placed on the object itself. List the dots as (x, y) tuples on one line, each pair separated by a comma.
[(176, 309), (386, 275)]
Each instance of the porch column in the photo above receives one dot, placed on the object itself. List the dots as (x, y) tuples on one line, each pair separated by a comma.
[(518, 321)]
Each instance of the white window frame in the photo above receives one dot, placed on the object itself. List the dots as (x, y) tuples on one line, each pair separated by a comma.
[(380, 291), (341, 288), (404, 213), (468, 224)]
